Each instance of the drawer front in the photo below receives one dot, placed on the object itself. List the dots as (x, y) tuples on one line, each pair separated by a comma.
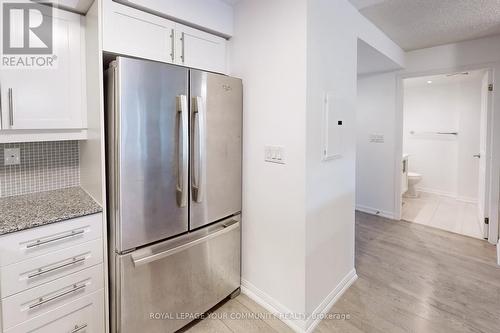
[(42, 299), (85, 315), (36, 271), (34, 242)]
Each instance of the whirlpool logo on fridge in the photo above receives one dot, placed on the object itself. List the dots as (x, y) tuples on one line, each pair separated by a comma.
[(28, 35)]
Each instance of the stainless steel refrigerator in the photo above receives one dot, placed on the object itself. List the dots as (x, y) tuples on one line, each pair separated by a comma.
[(174, 182)]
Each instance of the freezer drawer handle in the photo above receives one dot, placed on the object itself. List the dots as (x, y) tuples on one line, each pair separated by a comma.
[(71, 262), (40, 242), (42, 301), (183, 151), (79, 328), (223, 230), (199, 160)]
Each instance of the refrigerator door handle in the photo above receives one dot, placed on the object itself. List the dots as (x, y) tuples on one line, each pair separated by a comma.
[(225, 228), (199, 159), (183, 151)]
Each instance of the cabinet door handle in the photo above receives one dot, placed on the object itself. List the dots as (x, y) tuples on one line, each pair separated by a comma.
[(11, 108), (71, 262), (79, 328), (42, 300), (183, 39), (40, 242), (172, 45)]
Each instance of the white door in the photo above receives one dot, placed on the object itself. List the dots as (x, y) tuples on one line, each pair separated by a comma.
[(484, 155), (49, 98)]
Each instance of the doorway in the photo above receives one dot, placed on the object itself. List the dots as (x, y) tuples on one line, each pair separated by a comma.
[(444, 172)]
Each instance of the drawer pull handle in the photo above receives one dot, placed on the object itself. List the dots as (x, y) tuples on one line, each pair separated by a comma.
[(11, 108), (40, 242), (233, 224), (42, 301), (78, 328), (40, 271)]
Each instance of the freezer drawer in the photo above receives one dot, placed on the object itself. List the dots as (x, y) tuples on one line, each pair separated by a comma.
[(154, 286)]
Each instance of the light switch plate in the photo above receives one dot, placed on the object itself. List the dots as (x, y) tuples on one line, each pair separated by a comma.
[(12, 156), (376, 138), (274, 154)]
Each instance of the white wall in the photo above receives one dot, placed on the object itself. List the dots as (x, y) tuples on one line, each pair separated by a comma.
[(289, 53), (445, 161), (268, 52), (212, 15), (375, 114), (333, 31)]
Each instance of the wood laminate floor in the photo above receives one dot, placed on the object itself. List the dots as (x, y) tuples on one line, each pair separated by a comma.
[(412, 278)]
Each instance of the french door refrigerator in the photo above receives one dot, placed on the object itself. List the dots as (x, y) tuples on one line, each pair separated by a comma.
[(174, 169)]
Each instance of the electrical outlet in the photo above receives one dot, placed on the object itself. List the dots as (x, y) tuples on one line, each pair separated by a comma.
[(12, 156), (274, 154)]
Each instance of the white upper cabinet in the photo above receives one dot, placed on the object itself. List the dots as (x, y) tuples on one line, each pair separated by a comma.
[(198, 49), (133, 32), (49, 97)]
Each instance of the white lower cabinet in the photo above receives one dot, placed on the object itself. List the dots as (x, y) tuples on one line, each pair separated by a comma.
[(52, 278), (84, 315), (49, 267), (19, 246), (37, 301)]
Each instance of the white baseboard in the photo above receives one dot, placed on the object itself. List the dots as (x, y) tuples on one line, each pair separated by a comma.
[(447, 194), (283, 313), (375, 211), (271, 305), (498, 253), (330, 300)]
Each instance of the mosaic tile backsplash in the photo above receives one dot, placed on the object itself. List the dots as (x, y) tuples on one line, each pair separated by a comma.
[(44, 166)]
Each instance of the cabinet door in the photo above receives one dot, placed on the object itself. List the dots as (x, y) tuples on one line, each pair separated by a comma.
[(198, 49), (131, 32), (49, 98)]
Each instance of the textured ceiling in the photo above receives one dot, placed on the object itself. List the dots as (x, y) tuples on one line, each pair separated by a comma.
[(416, 24)]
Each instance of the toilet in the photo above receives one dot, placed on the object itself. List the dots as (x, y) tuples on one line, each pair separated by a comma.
[(413, 179)]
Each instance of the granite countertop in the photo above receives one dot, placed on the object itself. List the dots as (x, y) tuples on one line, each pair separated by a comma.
[(32, 210)]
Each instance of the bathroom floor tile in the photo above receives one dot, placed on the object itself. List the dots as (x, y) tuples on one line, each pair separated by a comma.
[(444, 213)]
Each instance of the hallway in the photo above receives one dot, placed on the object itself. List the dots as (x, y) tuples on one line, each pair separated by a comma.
[(414, 278)]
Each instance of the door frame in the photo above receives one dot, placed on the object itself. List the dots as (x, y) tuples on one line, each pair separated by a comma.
[(493, 142)]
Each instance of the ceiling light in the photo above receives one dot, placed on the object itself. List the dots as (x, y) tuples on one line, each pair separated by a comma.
[(429, 82)]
